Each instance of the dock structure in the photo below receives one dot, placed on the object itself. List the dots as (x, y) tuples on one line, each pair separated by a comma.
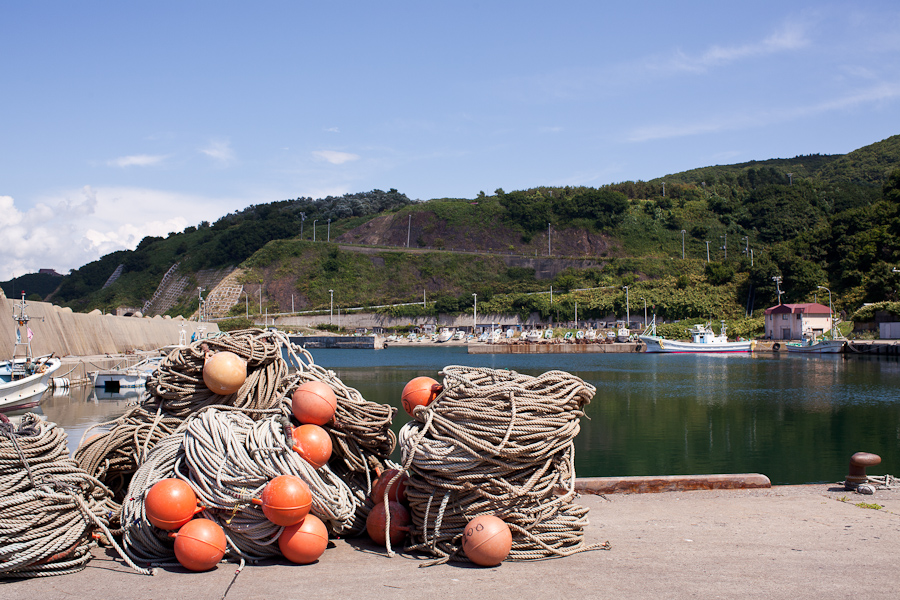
[(363, 342), (616, 348)]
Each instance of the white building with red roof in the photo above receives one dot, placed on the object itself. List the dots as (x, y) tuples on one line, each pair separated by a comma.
[(791, 321)]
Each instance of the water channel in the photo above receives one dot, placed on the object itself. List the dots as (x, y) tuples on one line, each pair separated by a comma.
[(796, 419)]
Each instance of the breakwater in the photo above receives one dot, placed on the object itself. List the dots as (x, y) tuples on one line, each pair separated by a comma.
[(66, 333)]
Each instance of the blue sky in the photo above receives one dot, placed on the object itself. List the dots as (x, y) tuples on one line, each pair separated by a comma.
[(125, 119)]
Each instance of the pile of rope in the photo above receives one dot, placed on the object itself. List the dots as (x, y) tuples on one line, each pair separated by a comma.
[(227, 458), (228, 447), (497, 442), (49, 507)]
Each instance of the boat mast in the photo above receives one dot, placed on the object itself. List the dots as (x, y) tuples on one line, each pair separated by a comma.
[(23, 340)]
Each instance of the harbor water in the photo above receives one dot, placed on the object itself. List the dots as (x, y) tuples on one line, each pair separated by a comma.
[(795, 418)]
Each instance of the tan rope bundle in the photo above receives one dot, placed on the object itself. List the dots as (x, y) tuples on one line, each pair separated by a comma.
[(228, 458), (120, 448), (49, 507), (177, 385), (497, 442)]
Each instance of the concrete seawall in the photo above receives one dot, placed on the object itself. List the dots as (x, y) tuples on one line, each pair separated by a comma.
[(66, 333)]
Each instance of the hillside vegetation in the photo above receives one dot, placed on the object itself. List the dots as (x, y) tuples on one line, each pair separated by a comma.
[(806, 222)]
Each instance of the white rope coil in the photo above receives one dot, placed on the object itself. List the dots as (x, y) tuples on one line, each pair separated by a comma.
[(497, 442)]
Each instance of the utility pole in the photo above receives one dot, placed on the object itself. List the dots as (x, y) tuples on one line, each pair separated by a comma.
[(725, 245), (331, 317), (314, 229), (627, 313), (408, 229), (777, 280), (329, 230), (645, 312), (302, 218), (707, 251), (791, 178), (682, 244), (549, 253), (475, 314)]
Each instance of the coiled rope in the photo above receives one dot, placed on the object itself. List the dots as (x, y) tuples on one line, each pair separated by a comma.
[(228, 458), (497, 442), (49, 507), (178, 386)]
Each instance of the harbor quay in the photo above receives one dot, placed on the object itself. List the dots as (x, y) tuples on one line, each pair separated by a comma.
[(793, 542)]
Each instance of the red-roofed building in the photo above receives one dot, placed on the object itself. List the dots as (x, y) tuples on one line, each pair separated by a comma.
[(790, 321)]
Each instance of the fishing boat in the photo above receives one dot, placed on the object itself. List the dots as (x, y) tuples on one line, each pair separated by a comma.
[(622, 332), (813, 345), (534, 335), (445, 335), (135, 376), (830, 343), (24, 378), (703, 339)]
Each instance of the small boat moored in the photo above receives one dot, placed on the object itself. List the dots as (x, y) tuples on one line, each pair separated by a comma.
[(24, 378), (703, 339)]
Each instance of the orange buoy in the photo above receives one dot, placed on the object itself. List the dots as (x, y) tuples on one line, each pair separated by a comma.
[(397, 492), (376, 522), (420, 391), (171, 503), (304, 542), (312, 443), (487, 540), (199, 544), (285, 500), (314, 403), (224, 373)]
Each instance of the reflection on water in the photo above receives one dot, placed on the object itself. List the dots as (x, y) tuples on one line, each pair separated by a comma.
[(795, 418)]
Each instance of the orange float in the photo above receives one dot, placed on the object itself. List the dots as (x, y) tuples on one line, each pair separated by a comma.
[(487, 540), (171, 503), (397, 492), (314, 403), (224, 373), (420, 391), (304, 542), (376, 522), (285, 500), (199, 544), (312, 443)]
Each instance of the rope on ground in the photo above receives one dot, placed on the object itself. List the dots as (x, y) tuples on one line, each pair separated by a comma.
[(497, 442), (49, 507), (228, 458)]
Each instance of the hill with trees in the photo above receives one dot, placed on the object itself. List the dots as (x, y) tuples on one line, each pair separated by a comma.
[(708, 242)]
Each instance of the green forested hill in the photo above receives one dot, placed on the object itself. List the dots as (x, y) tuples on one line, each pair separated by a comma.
[(811, 220)]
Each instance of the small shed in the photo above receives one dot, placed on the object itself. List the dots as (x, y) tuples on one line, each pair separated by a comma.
[(791, 321)]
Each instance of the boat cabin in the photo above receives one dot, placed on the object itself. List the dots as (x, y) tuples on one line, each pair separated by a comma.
[(791, 321)]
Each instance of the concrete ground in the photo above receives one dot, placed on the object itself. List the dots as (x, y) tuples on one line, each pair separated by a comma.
[(792, 542)]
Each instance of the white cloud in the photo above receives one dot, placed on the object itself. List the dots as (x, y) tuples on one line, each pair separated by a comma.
[(71, 229), (332, 130), (219, 150), (137, 160), (790, 36), (879, 93), (335, 157)]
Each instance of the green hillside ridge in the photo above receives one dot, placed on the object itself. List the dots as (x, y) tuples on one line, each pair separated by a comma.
[(811, 220)]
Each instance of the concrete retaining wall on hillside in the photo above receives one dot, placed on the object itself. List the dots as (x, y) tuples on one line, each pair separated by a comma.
[(66, 333)]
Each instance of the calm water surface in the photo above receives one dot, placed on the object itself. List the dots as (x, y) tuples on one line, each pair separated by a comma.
[(794, 418)]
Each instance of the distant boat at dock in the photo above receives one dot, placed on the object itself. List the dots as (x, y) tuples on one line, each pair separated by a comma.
[(703, 339)]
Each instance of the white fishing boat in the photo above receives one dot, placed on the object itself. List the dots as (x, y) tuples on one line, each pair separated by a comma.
[(135, 376), (510, 333), (496, 335), (534, 335), (622, 332), (460, 335), (591, 334), (703, 339), (830, 343), (548, 333), (444, 335), (24, 378)]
